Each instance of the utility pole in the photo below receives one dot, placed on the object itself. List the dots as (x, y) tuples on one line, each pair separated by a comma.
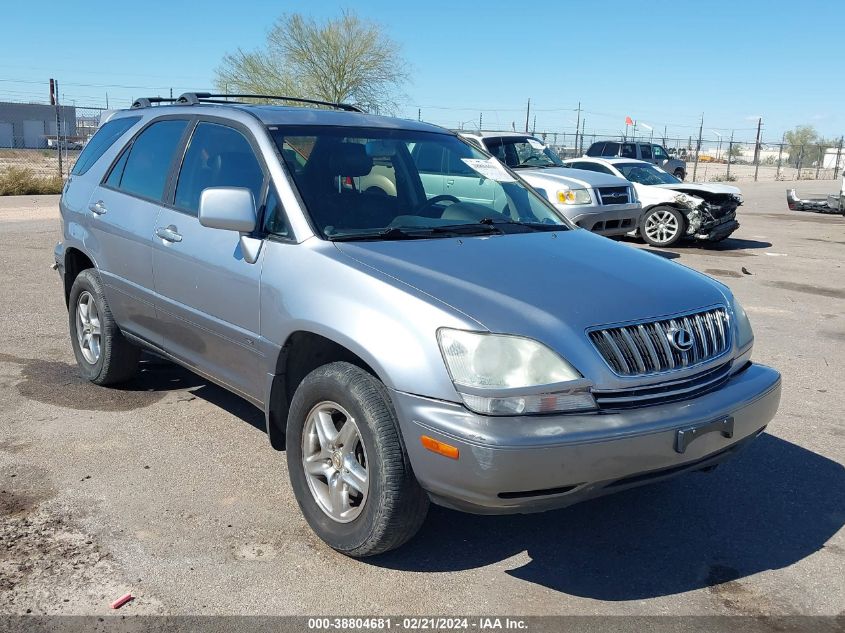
[(527, 115), (577, 124), (583, 125), (534, 127), (107, 101), (480, 120), (54, 100), (838, 158), (730, 155), (171, 93), (780, 155), (698, 147), (419, 114), (757, 148)]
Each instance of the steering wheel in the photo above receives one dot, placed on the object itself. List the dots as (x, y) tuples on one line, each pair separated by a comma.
[(436, 199)]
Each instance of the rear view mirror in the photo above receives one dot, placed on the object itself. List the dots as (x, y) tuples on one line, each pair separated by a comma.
[(381, 149), (227, 208)]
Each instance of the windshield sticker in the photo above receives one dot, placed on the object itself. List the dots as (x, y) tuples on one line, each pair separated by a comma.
[(533, 142), (492, 169)]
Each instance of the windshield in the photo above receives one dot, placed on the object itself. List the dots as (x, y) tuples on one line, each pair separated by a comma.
[(375, 183), (521, 152), (646, 174)]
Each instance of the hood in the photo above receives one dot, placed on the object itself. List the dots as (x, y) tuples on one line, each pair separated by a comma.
[(573, 178), (651, 195), (547, 286), (709, 187)]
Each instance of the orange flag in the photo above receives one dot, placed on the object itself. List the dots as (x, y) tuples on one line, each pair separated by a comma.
[(628, 121)]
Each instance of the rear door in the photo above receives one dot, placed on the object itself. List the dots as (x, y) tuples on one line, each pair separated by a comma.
[(123, 210), (207, 294)]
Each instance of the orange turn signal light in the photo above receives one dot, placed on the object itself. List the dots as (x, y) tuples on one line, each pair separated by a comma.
[(441, 448)]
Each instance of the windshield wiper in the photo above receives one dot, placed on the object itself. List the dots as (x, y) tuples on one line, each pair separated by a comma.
[(534, 226), (392, 233)]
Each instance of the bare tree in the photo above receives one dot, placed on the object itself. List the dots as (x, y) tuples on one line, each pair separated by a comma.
[(345, 59)]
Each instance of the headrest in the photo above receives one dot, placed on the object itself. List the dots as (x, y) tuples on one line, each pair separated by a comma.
[(350, 159)]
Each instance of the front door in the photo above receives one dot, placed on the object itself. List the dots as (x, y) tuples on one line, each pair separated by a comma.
[(207, 294)]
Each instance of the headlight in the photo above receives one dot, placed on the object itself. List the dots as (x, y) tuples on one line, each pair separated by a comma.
[(744, 333), (744, 337), (498, 374), (574, 196)]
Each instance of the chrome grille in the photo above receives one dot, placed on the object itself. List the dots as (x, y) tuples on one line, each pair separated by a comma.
[(614, 195), (646, 348), (661, 393)]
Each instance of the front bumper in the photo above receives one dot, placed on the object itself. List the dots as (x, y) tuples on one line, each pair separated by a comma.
[(608, 220), (717, 232), (536, 463)]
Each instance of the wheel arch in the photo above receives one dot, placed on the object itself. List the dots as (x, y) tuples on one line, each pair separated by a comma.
[(75, 262), (303, 352)]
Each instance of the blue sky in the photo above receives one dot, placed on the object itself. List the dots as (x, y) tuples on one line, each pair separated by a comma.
[(662, 63)]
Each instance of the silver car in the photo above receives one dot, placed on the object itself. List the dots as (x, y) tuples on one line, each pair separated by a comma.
[(481, 353)]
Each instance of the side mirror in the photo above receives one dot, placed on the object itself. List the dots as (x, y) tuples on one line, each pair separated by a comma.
[(227, 208), (232, 209)]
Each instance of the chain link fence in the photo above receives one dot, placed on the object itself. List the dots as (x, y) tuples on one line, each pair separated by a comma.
[(39, 144), (721, 159)]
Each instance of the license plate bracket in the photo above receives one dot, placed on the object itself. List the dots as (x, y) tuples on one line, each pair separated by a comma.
[(686, 435)]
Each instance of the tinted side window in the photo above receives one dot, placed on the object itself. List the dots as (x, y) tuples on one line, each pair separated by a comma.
[(629, 150), (117, 170), (659, 152), (217, 156), (150, 157), (103, 139), (428, 157), (274, 215), (610, 149), (596, 149), (645, 151), (592, 167)]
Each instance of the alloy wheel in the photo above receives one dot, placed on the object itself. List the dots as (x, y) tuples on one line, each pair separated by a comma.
[(88, 329), (661, 226), (335, 462)]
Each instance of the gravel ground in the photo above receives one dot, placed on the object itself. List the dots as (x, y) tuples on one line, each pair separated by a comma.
[(168, 488)]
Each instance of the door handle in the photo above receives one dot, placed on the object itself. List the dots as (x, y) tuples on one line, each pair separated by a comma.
[(450, 182), (168, 234), (97, 208)]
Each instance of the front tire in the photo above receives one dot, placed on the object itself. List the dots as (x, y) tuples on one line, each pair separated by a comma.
[(680, 174), (104, 356), (662, 226), (349, 471)]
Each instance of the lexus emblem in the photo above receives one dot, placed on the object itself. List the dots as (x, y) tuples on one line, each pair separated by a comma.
[(680, 338)]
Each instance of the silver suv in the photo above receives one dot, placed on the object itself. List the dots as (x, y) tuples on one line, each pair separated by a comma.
[(649, 152), (406, 345)]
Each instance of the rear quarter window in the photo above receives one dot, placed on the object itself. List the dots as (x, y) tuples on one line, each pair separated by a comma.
[(103, 139)]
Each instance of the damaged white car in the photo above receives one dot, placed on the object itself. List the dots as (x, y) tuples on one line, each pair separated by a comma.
[(672, 209)]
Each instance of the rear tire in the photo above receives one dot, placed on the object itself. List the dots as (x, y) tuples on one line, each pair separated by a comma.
[(329, 461), (662, 226), (104, 356), (680, 174)]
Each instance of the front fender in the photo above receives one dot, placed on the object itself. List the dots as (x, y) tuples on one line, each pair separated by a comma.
[(390, 325)]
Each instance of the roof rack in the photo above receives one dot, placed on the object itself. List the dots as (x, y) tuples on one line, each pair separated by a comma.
[(193, 98), (146, 102)]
